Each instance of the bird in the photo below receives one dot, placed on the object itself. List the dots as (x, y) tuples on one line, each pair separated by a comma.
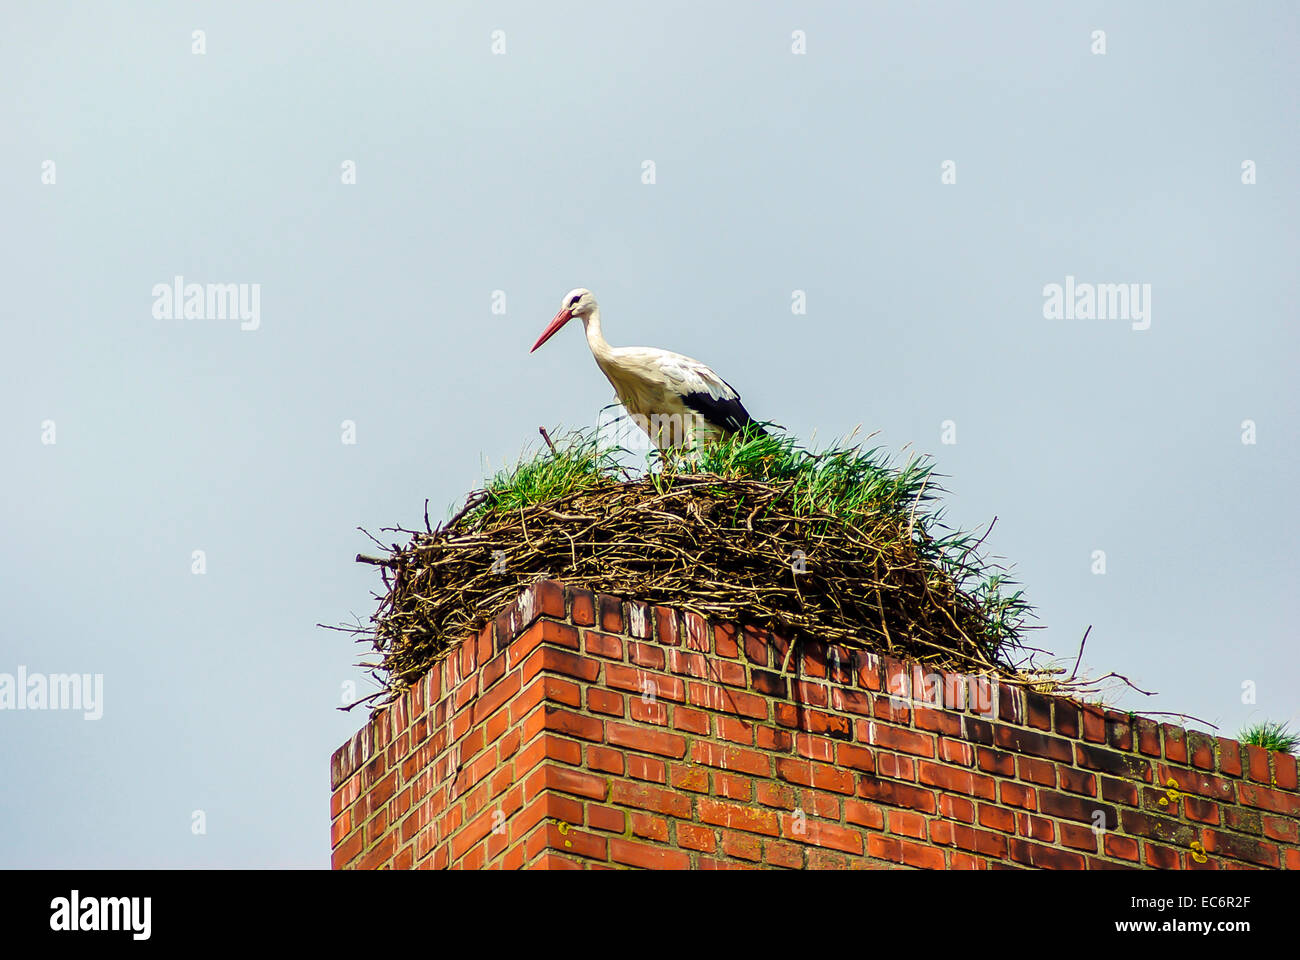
[(678, 401)]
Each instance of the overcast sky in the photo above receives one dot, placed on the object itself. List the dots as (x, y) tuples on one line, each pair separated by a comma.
[(134, 437)]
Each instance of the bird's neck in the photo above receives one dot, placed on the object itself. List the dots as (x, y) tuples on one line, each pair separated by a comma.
[(595, 339)]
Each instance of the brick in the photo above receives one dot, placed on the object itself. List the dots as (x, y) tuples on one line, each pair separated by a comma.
[(575, 724), (643, 682), (847, 755), (735, 731), (1119, 791), (604, 701), (770, 738), (692, 721), (1036, 828), (647, 768), (1109, 761), (561, 661), (582, 603), (984, 842), (894, 766), (997, 818), (780, 854), (921, 856), (695, 779), (575, 782), (1257, 766), (1162, 858), (1166, 830), (811, 774), (769, 684), (602, 645), (1119, 730), (695, 632), (1121, 847), (892, 738), (996, 762), (543, 722), (694, 837), (609, 613), (646, 741), (819, 833), (1200, 747), (606, 818), (647, 655), (1018, 795), (756, 647), (1265, 798), (937, 721), (956, 808), (604, 760), (1282, 829), (649, 827), (864, 814), (543, 631), (739, 817), (775, 795), (731, 787), (639, 623), (851, 701), (646, 797), (1148, 737), (814, 748), (731, 758), (955, 779), (1035, 744), (1248, 849), (1200, 810), (666, 627), (1038, 711), (1037, 771), (1076, 781), (896, 794), (728, 700), (1067, 720), (744, 846), (1084, 809), (687, 664), (651, 712), (1175, 743), (1285, 771), (1078, 837), (725, 642)]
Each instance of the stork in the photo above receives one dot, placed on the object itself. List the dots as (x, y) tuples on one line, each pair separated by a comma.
[(677, 401)]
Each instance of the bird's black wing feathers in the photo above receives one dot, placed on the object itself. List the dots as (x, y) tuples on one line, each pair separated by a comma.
[(726, 412)]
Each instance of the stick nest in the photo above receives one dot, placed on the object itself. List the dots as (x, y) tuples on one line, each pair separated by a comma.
[(777, 546)]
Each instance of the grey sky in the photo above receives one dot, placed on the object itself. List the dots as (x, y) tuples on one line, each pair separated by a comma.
[(775, 172)]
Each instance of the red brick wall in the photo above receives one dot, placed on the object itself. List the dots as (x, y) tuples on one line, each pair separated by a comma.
[(581, 731)]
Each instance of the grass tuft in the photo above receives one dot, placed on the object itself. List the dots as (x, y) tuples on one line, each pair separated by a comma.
[(1271, 735)]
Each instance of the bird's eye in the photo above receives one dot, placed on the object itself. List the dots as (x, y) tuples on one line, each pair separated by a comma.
[(574, 301)]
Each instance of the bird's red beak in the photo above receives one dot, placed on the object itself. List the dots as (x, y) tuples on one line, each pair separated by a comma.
[(560, 320)]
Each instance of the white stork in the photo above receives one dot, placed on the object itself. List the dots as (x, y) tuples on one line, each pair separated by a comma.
[(677, 401)]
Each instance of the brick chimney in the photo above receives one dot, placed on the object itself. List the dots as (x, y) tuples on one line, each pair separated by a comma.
[(581, 731)]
